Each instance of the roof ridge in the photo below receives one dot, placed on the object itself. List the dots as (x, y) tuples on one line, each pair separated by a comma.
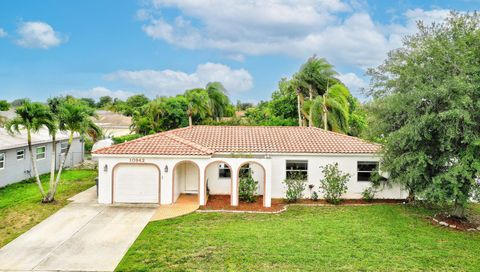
[(189, 143), (346, 135)]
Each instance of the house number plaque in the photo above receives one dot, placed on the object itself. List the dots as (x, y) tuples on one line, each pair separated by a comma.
[(137, 160)]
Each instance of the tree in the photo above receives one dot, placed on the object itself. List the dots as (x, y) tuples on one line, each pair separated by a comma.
[(4, 106), (74, 116), (104, 101), (89, 101), (316, 75), (219, 101), (198, 104), (335, 102), (31, 117), (136, 101), (426, 100)]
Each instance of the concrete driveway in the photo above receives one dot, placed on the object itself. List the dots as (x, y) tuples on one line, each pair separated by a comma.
[(83, 236)]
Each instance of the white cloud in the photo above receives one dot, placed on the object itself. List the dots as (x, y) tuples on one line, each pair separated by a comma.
[(341, 32), (168, 82), (38, 35), (3, 33), (353, 82), (98, 92)]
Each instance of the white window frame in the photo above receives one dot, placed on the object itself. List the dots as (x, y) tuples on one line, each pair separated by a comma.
[(62, 151), (371, 172), (296, 170), (44, 153), (3, 160), (22, 156)]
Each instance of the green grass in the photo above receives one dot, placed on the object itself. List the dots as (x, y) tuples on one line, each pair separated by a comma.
[(344, 238), (21, 207)]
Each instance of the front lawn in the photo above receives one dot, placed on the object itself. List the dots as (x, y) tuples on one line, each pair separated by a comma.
[(20, 206), (346, 238)]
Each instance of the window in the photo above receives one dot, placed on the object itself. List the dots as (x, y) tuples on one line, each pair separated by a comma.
[(40, 153), (224, 171), (2, 160), (245, 171), (63, 148), (20, 154), (297, 169), (366, 169)]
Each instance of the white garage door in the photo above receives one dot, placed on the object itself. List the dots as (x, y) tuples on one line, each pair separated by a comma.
[(134, 183)]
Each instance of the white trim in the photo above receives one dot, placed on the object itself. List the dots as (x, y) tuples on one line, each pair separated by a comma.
[(44, 154), (23, 155), (229, 155), (4, 160)]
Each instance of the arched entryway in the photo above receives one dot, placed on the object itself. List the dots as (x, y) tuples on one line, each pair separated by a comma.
[(186, 180), (258, 174), (218, 179)]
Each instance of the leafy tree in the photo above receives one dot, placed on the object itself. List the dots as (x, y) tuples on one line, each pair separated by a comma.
[(284, 101), (89, 101), (4, 106), (31, 117), (136, 101), (427, 105), (104, 101), (198, 104)]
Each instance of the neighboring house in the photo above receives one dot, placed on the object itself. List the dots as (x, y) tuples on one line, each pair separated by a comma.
[(113, 124), (209, 160), (15, 162)]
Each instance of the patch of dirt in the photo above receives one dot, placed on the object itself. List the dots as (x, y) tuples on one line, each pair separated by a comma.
[(456, 223), (222, 202)]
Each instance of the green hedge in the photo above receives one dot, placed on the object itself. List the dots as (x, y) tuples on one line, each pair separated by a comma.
[(126, 138)]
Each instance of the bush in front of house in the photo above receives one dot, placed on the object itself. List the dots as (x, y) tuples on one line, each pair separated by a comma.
[(314, 196), (334, 183), (368, 194), (295, 186), (247, 189)]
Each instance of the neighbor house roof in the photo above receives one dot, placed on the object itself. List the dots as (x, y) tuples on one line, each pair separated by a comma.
[(207, 140), (8, 141)]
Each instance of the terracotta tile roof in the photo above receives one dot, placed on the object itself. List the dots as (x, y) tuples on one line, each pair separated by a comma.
[(206, 140)]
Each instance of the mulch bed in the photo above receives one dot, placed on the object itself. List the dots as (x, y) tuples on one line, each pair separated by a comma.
[(222, 202), (454, 223)]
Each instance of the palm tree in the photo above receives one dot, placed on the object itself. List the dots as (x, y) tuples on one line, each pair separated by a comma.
[(198, 104), (332, 109), (315, 75), (31, 117), (218, 99), (74, 116)]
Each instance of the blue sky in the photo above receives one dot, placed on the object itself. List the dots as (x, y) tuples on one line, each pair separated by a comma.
[(162, 47)]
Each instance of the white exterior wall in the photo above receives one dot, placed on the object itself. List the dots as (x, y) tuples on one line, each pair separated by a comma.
[(18, 170), (274, 175), (346, 163)]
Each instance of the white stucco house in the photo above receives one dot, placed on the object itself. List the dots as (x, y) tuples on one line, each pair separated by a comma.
[(208, 160), (15, 163)]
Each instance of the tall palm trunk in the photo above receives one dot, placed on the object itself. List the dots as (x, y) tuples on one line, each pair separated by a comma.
[(325, 110), (62, 164), (310, 113), (190, 122), (34, 163), (52, 169), (299, 110)]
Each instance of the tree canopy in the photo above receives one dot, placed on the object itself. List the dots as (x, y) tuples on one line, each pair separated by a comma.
[(427, 108)]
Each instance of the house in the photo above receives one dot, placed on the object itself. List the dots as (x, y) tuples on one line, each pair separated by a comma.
[(208, 160), (15, 163), (113, 124)]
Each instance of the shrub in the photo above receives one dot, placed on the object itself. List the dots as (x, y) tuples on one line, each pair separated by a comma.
[(247, 189), (295, 187), (126, 138), (314, 196), (334, 183), (368, 194)]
